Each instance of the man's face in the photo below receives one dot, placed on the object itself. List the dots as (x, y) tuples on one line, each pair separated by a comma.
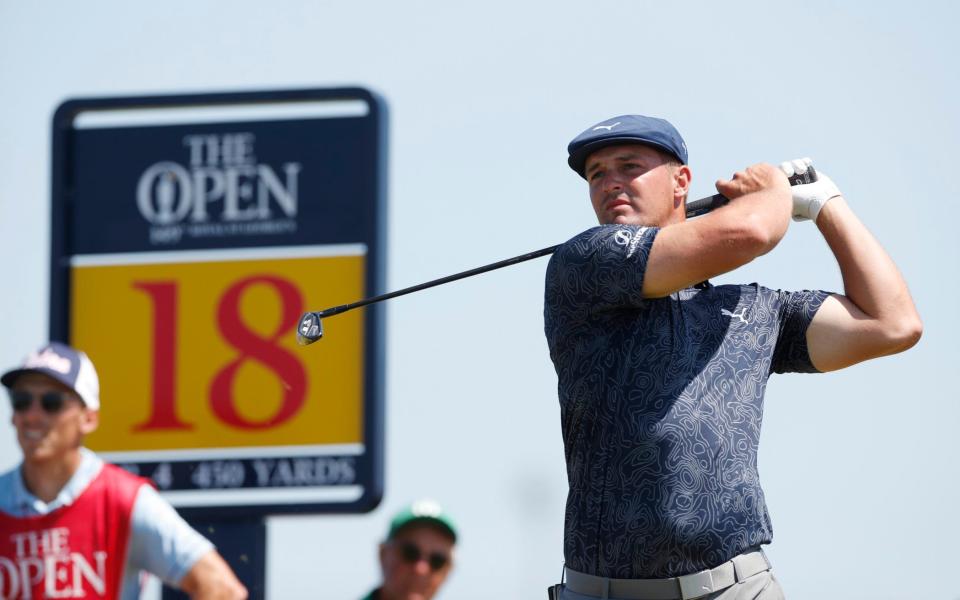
[(406, 561), (49, 436), (633, 184)]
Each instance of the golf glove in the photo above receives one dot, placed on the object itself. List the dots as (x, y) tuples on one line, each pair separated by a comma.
[(808, 198)]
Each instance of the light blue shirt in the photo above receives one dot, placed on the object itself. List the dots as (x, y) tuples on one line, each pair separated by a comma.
[(161, 542)]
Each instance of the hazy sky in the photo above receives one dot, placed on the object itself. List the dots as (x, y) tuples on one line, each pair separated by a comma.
[(859, 467)]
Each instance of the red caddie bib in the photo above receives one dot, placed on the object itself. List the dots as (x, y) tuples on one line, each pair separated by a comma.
[(76, 551)]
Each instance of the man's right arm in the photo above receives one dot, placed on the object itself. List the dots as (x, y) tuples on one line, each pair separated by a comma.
[(754, 221)]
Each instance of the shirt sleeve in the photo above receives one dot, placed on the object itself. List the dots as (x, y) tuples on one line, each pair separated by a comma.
[(600, 269), (797, 309), (161, 542)]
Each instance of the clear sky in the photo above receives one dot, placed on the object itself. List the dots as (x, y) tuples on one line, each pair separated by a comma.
[(859, 467)]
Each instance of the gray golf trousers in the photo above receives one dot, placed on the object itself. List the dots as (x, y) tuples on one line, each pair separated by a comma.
[(762, 586)]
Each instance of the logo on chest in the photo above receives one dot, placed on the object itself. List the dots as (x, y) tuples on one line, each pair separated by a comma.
[(742, 315)]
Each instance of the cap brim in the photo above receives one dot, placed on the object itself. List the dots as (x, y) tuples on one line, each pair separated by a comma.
[(10, 377), (578, 158)]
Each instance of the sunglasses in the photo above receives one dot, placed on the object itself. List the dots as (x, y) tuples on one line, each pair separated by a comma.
[(51, 402), (412, 554)]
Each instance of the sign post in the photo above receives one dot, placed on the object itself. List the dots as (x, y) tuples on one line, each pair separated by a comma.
[(188, 234)]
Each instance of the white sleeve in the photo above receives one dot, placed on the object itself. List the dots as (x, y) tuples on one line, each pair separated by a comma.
[(161, 542)]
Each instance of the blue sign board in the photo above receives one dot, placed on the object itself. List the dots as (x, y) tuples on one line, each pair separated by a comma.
[(188, 234)]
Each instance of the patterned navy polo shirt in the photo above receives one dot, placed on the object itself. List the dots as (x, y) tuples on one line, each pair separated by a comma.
[(661, 402)]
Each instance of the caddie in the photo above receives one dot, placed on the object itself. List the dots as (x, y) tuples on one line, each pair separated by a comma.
[(661, 374), (73, 526)]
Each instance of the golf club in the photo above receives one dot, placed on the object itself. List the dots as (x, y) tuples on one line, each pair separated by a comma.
[(310, 328)]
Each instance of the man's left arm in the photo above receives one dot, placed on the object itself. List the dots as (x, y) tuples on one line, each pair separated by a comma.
[(875, 316), (164, 544), (211, 578)]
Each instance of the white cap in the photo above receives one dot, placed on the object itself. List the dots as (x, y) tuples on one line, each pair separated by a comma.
[(67, 365)]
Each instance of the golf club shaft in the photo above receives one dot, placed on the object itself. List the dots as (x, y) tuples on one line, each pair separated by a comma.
[(336, 310), (694, 208), (702, 206)]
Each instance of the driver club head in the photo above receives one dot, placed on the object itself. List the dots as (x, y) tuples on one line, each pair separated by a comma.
[(309, 328)]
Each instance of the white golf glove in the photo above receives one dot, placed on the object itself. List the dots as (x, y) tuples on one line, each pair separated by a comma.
[(808, 198)]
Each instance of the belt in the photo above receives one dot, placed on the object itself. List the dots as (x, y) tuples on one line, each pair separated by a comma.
[(684, 587)]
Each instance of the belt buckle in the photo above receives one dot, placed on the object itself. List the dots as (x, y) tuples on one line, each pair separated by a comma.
[(696, 584)]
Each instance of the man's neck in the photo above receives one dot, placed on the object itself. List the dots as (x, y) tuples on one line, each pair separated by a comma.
[(45, 479)]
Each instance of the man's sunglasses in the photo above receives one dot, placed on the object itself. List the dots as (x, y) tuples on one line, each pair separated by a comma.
[(51, 402), (412, 554)]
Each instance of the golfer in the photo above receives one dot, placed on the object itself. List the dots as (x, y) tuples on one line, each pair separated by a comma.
[(661, 374)]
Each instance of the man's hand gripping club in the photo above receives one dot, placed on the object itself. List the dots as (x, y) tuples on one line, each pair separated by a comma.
[(808, 198)]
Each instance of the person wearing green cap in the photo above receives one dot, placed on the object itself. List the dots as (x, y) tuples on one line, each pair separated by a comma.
[(417, 556)]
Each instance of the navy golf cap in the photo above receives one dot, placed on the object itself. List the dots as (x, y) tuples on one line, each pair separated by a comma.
[(626, 129)]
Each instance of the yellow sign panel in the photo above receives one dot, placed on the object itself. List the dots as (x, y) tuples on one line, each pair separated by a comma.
[(195, 355)]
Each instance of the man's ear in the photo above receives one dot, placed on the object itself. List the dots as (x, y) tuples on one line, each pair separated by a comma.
[(682, 177), (90, 420)]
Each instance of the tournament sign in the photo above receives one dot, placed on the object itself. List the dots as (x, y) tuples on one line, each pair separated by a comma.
[(189, 234)]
